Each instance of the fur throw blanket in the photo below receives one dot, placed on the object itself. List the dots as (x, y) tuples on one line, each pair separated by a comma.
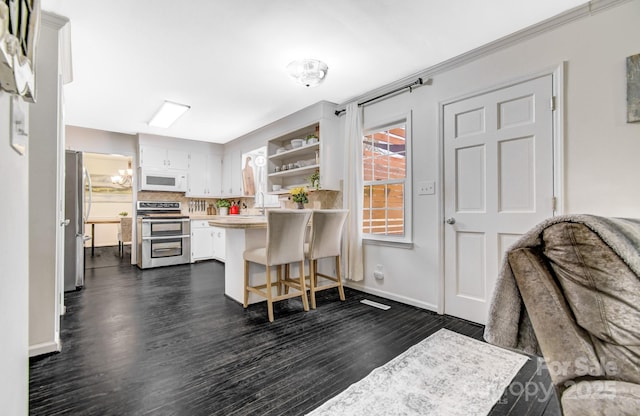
[(508, 324)]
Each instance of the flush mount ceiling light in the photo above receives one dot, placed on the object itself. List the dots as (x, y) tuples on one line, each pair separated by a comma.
[(168, 113), (308, 72)]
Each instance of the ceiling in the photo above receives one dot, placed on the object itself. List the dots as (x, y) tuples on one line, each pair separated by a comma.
[(227, 58)]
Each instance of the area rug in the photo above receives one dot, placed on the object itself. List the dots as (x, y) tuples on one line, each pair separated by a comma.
[(446, 374)]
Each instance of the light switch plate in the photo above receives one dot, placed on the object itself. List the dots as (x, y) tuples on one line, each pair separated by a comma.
[(19, 125), (426, 188)]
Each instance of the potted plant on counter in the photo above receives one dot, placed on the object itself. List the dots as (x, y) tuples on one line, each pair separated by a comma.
[(299, 195), (223, 206), (314, 179)]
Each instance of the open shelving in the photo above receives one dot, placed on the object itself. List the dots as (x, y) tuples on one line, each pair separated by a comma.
[(323, 156)]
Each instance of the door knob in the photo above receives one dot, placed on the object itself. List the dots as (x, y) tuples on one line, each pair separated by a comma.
[(450, 220), (64, 223)]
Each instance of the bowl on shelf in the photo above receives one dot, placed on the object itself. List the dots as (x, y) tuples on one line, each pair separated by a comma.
[(276, 188), (280, 150), (312, 140), (295, 143), (305, 163)]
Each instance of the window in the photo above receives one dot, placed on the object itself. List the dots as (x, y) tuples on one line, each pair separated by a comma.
[(386, 185)]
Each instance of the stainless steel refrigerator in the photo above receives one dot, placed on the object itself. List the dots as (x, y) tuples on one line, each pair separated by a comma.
[(74, 237)]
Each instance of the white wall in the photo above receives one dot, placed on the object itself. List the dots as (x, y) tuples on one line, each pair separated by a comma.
[(14, 279), (44, 202), (601, 149), (292, 122), (99, 141), (175, 143), (107, 142)]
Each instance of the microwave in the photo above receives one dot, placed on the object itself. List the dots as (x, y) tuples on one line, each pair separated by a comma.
[(163, 180)]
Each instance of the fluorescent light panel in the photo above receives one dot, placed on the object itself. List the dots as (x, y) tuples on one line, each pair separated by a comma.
[(168, 113)]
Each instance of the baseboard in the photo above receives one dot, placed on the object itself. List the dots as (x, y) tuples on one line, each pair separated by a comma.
[(44, 348), (391, 296)]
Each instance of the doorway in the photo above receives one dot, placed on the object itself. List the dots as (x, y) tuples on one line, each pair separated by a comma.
[(498, 182), (108, 209)]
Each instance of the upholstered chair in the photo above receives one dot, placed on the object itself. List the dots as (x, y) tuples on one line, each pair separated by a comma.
[(285, 245), (325, 242), (581, 288)]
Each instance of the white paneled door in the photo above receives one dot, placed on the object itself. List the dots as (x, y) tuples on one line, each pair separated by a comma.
[(498, 173)]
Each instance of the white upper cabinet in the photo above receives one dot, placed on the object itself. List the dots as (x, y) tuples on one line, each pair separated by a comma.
[(214, 168), (177, 159), (153, 157), (159, 157), (205, 174), (232, 174)]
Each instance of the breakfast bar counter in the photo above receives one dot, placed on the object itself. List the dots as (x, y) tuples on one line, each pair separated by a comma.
[(242, 232), (239, 221)]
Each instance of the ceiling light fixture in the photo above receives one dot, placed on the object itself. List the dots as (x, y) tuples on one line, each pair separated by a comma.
[(124, 177), (308, 72), (168, 113)]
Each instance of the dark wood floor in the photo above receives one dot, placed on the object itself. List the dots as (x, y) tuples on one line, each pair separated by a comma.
[(167, 341)]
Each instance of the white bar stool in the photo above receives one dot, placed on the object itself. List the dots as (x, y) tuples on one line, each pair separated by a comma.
[(285, 244), (325, 241)]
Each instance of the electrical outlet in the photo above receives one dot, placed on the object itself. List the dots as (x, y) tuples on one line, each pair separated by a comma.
[(378, 273), (426, 188)]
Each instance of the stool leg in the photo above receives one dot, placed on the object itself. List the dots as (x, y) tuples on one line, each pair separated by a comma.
[(279, 281), (303, 288), (269, 297), (339, 277), (313, 265), (287, 276), (246, 284)]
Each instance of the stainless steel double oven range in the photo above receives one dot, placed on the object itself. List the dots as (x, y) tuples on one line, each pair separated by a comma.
[(163, 234)]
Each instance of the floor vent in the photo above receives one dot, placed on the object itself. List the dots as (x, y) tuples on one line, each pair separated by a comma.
[(375, 304)]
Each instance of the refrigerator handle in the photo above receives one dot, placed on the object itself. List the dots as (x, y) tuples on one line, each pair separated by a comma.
[(86, 173)]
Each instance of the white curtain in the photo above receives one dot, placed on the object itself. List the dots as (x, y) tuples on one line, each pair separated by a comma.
[(353, 192)]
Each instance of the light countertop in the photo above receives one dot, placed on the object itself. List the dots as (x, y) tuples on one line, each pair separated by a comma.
[(202, 217), (238, 221)]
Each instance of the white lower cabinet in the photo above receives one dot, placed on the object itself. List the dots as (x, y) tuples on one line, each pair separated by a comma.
[(207, 242), (201, 240), (219, 243)]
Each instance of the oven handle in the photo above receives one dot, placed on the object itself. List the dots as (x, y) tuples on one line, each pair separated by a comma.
[(155, 220), (167, 237)]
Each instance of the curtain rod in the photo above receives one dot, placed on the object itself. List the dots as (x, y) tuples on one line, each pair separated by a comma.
[(416, 83)]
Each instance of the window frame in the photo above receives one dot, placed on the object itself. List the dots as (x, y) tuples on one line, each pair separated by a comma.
[(405, 240)]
